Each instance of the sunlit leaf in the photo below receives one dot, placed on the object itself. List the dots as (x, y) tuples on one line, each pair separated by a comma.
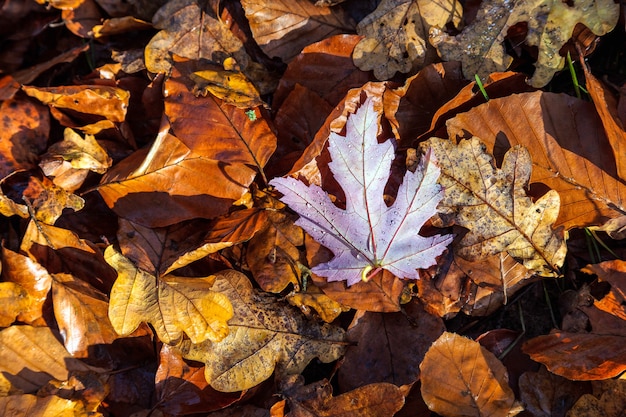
[(492, 203), (462, 378), (173, 305), (265, 336)]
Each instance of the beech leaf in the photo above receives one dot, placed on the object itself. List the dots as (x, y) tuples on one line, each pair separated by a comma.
[(368, 234)]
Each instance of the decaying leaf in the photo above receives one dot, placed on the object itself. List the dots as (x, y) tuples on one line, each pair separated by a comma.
[(480, 46), (265, 336), (368, 235), (462, 378), (193, 32), (28, 405), (547, 395), (173, 305), (492, 203), (608, 400), (231, 86), (396, 35), (283, 27)]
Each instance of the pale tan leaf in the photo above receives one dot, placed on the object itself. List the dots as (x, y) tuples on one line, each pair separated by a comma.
[(396, 35), (492, 203), (480, 46), (265, 336), (569, 156), (462, 378), (34, 406)]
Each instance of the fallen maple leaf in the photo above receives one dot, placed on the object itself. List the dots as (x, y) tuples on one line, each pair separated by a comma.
[(368, 234)]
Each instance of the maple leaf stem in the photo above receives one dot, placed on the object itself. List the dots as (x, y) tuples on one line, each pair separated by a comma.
[(366, 275)]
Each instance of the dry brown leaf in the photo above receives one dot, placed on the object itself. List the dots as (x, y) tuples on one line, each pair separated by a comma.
[(396, 35), (107, 102), (13, 300), (462, 378), (265, 336), (569, 150), (282, 28), (69, 161), (81, 314), (380, 346), (492, 204), (316, 399), (325, 68), (273, 256), (24, 134), (32, 356), (608, 400), (173, 305), (181, 388), (547, 395), (480, 46), (193, 32), (580, 356)]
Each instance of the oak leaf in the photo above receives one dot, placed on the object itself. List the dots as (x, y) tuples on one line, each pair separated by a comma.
[(480, 46), (173, 305), (492, 204), (265, 336), (396, 35), (462, 378), (368, 234)]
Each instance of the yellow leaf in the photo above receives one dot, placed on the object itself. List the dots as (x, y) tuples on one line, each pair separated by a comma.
[(173, 305), (13, 300), (266, 336), (493, 205), (28, 405), (231, 86)]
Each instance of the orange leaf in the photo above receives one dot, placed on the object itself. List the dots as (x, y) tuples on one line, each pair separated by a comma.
[(462, 378)]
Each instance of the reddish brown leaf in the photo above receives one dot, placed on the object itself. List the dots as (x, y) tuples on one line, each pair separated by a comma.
[(181, 388), (382, 399), (548, 395), (325, 68), (608, 399), (282, 28), (380, 353), (23, 136), (569, 156)]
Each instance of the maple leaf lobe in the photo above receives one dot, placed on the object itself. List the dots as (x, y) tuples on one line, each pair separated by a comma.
[(368, 234)]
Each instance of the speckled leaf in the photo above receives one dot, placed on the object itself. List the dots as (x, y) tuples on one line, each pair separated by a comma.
[(266, 336), (493, 205)]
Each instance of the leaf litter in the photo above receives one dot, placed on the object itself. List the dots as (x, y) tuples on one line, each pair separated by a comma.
[(148, 268)]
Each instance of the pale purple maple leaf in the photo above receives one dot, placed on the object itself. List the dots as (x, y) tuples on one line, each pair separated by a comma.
[(368, 234)]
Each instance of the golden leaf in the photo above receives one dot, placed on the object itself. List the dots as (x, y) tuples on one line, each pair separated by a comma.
[(173, 305)]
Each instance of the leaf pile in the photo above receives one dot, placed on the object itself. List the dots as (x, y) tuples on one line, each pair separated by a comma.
[(289, 208)]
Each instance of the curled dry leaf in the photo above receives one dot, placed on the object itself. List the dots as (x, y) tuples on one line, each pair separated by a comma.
[(173, 305), (193, 32), (396, 35), (265, 336), (582, 171), (492, 204), (368, 235), (462, 378), (282, 28), (480, 46), (608, 399)]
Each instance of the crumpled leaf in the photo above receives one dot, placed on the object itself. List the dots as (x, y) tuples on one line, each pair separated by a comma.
[(316, 399), (480, 46), (492, 204), (368, 234), (283, 27), (231, 86), (547, 395), (608, 400), (265, 336), (193, 32), (396, 35), (173, 305), (462, 378)]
